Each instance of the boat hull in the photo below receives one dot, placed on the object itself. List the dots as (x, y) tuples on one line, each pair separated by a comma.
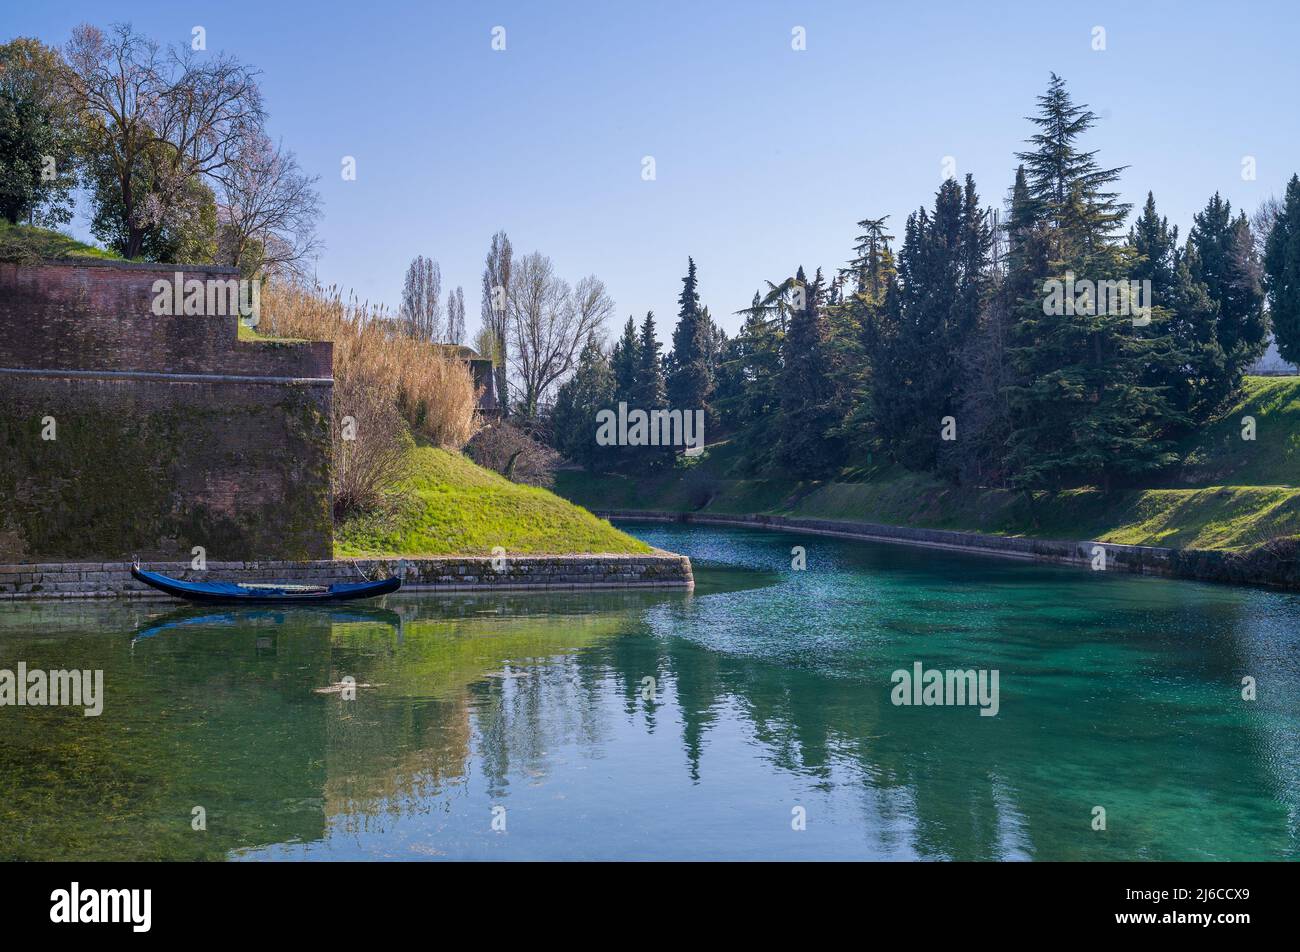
[(234, 593)]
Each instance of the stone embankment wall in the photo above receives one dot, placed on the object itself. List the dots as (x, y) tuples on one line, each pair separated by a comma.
[(1276, 564), (449, 574)]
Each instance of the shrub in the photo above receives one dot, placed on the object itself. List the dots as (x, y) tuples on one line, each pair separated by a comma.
[(515, 455)]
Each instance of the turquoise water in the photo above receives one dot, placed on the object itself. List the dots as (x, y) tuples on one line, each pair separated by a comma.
[(771, 702)]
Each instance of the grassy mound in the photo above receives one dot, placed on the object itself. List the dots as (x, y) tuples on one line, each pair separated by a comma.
[(1230, 493), (26, 244), (1218, 456), (449, 506)]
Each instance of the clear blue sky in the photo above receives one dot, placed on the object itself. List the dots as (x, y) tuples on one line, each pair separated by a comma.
[(765, 156)]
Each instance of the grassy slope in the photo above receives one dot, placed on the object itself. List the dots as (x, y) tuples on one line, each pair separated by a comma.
[(451, 506), (25, 243), (1230, 494)]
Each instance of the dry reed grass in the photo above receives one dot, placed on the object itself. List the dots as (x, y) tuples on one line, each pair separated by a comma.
[(387, 387)]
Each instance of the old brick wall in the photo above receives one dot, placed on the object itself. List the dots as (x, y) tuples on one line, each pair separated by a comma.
[(97, 315), (170, 433)]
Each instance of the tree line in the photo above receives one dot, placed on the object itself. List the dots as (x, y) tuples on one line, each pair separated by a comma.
[(990, 346), (169, 146)]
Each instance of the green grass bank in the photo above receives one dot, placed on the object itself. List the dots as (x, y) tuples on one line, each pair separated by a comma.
[(29, 244), (447, 505)]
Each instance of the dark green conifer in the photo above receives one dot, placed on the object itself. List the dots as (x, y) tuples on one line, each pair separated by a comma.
[(1282, 274)]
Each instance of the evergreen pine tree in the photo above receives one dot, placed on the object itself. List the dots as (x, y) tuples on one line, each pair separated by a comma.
[(976, 278), (729, 382), (579, 399), (985, 410), (943, 280), (649, 394), (755, 360), (690, 378), (858, 326), (1187, 362), (1082, 405), (809, 410), (625, 363), (974, 284), (1282, 274), (1228, 263), (868, 265)]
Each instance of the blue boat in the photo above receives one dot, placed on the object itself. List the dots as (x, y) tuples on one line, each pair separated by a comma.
[(265, 593)]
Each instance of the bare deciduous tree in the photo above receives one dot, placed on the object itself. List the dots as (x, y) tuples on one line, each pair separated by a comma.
[(421, 311), (516, 455), (456, 316), (268, 210), (548, 324), (493, 337), (1264, 218), (160, 120)]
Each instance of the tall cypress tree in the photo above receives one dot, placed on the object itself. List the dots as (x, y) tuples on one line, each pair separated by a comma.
[(1155, 245), (649, 393), (1188, 362), (1282, 274), (1228, 263), (625, 363), (690, 377), (963, 327), (649, 390), (625, 367), (976, 278), (1027, 246), (943, 278)]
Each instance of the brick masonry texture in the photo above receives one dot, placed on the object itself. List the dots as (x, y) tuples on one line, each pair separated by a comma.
[(153, 467), (1276, 564), (98, 316), (450, 574)]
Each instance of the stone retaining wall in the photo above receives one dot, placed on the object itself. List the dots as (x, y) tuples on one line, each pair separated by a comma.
[(450, 574), (1276, 564), (124, 432)]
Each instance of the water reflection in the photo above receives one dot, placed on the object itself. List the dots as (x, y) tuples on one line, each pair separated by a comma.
[(638, 725), (205, 617)]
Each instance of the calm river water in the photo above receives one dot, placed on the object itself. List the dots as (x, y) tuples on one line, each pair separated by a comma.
[(750, 720)]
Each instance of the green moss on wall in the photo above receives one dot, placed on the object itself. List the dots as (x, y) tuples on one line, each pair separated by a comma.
[(153, 469)]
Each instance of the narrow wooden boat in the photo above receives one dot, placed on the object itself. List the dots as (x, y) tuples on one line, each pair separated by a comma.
[(266, 593)]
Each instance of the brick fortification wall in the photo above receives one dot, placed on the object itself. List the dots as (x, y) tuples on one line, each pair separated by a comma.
[(170, 433)]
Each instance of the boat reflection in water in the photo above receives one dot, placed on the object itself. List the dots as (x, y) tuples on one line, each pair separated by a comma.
[(196, 617)]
